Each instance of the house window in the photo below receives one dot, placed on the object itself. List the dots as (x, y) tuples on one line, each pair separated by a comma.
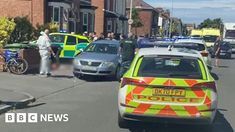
[(108, 5), (85, 21), (109, 26), (56, 14)]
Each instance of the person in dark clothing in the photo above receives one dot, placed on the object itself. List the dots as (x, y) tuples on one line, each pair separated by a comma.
[(101, 37), (128, 47), (217, 48)]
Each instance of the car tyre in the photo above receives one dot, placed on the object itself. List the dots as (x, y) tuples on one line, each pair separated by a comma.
[(230, 56), (77, 75), (122, 123), (118, 74)]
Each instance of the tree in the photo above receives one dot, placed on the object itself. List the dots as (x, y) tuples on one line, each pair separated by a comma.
[(136, 20), (211, 23), (6, 28), (23, 30), (53, 27)]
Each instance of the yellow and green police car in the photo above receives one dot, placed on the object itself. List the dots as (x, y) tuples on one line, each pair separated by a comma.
[(70, 44), (167, 85)]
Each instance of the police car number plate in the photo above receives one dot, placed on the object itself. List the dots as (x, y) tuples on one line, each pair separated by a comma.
[(169, 92)]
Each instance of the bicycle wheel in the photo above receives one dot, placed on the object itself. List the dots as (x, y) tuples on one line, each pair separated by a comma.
[(18, 66)]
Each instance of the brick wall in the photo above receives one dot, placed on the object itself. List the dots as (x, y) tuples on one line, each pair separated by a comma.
[(33, 9), (146, 19), (99, 15)]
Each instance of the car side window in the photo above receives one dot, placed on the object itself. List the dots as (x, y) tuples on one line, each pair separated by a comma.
[(71, 40), (83, 41)]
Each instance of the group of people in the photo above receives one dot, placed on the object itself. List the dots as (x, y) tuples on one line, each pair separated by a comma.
[(128, 47)]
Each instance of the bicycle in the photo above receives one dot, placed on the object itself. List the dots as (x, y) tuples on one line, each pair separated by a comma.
[(15, 64)]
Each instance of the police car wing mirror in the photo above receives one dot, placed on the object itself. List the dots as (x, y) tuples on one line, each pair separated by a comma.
[(209, 67)]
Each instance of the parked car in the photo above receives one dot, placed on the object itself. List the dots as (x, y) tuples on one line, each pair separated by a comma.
[(68, 45), (196, 44), (100, 58), (225, 51)]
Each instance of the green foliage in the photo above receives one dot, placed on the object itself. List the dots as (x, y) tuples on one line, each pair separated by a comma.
[(53, 27), (211, 23), (6, 28), (23, 30), (174, 27), (136, 19)]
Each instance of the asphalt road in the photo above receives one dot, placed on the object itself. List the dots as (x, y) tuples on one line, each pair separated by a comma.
[(92, 105)]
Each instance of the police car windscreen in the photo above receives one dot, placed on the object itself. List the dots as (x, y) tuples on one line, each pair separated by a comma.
[(102, 48), (167, 67)]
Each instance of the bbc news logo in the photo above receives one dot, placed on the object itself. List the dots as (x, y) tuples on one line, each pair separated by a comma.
[(35, 117)]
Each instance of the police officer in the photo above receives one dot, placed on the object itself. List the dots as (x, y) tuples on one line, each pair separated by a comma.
[(45, 51), (217, 49), (128, 47)]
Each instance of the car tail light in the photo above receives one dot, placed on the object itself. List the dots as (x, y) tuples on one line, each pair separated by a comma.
[(204, 53), (210, 85), (130, 81)]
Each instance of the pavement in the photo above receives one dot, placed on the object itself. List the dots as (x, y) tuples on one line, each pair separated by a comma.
[(10, 99), (92, 104)]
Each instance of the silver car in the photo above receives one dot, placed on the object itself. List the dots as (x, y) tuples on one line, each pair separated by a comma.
[(100, 58)]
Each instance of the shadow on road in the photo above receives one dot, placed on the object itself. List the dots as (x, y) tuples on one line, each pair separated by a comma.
[(62, 76), (220, 125), (98, 79), (31, 106), (223, 66)]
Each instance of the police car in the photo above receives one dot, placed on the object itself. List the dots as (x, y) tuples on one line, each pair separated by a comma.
[(167, 85)]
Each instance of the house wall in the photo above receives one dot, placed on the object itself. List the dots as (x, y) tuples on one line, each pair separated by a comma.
[(146, 17), (33, 9), (99, 15)]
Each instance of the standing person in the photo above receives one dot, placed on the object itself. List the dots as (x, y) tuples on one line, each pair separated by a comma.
[(45, 51), (128, 47), (217, 49), (90, 36), (85, 34), (108, 36), (95, 37), (101, 36)]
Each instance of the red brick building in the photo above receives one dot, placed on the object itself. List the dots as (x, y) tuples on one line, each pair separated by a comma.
[(149, 18), (63, 12), (110, 16)]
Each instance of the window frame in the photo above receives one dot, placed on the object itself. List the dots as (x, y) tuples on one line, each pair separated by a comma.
[(56, 7), (68, 44)]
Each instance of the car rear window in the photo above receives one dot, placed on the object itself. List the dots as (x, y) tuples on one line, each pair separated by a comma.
[(169, 67), (192, 46)]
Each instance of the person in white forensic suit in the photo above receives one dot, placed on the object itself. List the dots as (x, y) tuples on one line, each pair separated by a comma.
[(45, 50)]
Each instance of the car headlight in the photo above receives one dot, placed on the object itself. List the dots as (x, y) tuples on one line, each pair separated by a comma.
[(76, 62), (107, 64)]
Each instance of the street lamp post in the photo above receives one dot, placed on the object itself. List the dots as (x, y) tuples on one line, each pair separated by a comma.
[(130, 21), (171, 19)]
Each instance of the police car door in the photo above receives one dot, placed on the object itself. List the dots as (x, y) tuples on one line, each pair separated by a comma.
[(70, 46)]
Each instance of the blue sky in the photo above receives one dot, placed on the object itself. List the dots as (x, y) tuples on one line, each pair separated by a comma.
[(195, 11)]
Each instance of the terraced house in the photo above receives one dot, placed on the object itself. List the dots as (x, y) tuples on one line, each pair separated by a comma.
[(64, 12), (110, 16)]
